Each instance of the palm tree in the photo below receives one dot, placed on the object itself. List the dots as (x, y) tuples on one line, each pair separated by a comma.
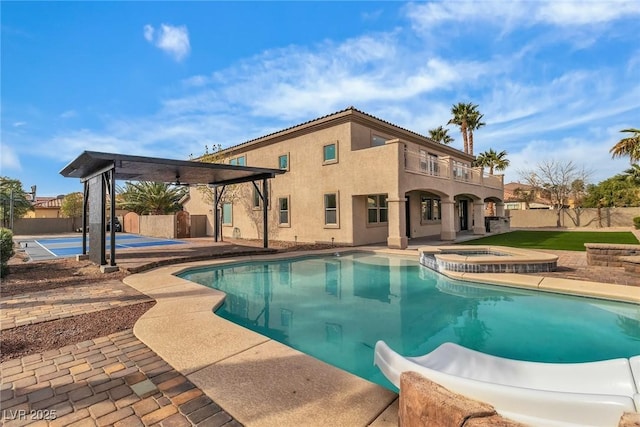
[(440, 135), (493, 160), (474, 122), (467, 116), (632, 174), (155, 198), (629, 146)]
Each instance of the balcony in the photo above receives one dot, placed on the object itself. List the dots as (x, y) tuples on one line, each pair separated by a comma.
[(445, 167)]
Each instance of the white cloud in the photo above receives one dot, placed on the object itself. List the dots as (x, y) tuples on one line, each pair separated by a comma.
[(68, 114), (9, 159), (511, 14), (148, 32), (295, 83), (173, 40), (574, 13), (19, 124)]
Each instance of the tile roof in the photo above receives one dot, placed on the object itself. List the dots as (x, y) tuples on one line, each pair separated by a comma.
[(350, 109)]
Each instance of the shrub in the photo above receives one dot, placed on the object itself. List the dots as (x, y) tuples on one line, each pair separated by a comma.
[(6, 250), (636, 222)]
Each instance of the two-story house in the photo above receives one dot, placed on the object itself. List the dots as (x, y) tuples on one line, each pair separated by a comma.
[(353, 179)]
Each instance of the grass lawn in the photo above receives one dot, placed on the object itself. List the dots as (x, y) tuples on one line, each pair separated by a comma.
[(558, 240)]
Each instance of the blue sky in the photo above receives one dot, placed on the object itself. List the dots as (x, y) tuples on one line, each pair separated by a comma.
[(555, 80)]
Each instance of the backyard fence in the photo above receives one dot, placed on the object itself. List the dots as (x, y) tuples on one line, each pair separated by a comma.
[(574, 218)]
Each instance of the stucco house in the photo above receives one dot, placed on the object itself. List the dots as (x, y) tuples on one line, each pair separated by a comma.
[(45, 207), (353, 179)]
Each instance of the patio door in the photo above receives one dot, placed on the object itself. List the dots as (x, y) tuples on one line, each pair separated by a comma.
[(463, 212)]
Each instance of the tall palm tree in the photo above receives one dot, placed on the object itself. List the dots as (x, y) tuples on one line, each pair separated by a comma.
[(629, 146), (468, 118), (492, 160), (441, 135), (474, 122), (460, 112)]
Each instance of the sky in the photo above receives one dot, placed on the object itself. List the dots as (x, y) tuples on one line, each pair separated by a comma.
[(556, 81)]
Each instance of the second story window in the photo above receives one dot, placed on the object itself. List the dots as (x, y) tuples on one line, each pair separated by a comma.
[(238, 161), (283, 162), (377, 140), (330, 153)]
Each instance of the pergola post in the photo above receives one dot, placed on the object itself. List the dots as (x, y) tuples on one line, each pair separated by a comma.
[(215, 213), (112, 227), (265, 219), (103, 208), (85, 205)]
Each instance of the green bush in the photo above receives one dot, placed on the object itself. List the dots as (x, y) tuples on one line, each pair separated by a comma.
[(636, 222), (6, 250)]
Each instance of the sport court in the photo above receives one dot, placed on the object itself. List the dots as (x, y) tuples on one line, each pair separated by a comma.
[(61, 247)]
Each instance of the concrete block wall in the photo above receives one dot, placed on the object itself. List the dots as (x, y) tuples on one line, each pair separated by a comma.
[(610, 254)]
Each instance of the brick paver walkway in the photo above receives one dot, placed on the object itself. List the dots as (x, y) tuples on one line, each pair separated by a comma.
[(57, 303), (113, 380), (573, 265)]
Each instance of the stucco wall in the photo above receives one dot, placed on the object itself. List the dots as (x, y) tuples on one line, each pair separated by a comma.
[(609, 217), (360, 170), (29, 226), (163, 226)]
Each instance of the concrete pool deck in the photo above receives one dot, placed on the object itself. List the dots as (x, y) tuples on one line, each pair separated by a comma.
[(261, 382)]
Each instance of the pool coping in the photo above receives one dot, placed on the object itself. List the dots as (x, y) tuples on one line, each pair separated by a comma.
[(262, 382)]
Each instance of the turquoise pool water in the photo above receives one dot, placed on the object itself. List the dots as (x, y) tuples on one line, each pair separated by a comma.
[(336, 308)]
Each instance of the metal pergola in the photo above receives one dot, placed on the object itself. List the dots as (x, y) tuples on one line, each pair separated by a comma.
[(99, 171)]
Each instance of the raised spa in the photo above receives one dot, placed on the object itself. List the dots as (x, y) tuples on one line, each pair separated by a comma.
[(486, 259)]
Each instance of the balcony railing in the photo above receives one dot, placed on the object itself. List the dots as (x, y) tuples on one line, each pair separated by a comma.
[(446, 168), (425, 165)]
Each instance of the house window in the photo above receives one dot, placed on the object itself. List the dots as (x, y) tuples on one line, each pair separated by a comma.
[(283, 211), (330, 153), (377, 141), (430, 207), (238, 161), (283, 162), (423, 160), (227, 214), (331, 209), (256, 200), (428, 163), (460, 171), (377, 208)]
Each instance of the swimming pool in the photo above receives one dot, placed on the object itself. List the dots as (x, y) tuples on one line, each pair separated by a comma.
[(336, 308)]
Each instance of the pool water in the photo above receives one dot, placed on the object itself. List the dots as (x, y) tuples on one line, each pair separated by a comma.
[(335, 308)]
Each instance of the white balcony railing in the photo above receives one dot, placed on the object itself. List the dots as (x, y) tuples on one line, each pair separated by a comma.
[(421, 163), (445, 167)]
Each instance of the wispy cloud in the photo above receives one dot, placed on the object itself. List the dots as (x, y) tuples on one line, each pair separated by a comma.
[(523, 13), (69, 114), (19, 124), (171, 39), (9, 159)]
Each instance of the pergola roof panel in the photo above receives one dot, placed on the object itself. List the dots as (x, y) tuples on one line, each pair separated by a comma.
[(138, 168)]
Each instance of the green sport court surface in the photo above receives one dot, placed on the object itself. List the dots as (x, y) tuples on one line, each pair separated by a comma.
[(61, 247)]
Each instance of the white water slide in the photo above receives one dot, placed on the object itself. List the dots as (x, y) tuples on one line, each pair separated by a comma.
[(537, 394)]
